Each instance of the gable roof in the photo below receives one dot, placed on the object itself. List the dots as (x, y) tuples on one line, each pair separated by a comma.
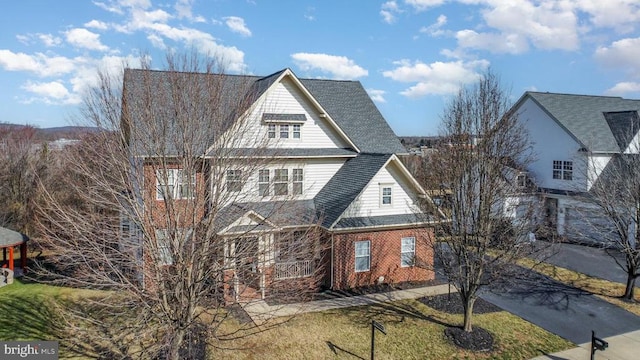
[(346, 103), (624, 126), (340, 191), (583, 117)]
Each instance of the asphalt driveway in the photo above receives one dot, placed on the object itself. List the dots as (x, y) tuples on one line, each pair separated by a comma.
[(563, 310), (587, 260)]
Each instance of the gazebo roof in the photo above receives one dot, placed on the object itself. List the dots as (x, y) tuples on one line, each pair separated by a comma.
[(9, 238)]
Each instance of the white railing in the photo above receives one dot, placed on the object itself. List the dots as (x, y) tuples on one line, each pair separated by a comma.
[(293, 269)]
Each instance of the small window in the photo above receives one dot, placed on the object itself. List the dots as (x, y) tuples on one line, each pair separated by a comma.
[(164, 240), (178, 185), (298, 181), (296, 131), (281, 182), (562, 170), (284, 131), (271, 132), (408, 251), (521, 180), (363, 255), (385, 195), (263, 182), (234, 180)]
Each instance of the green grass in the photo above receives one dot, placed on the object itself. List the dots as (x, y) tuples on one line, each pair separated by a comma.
[(27, 311), (414, 330)]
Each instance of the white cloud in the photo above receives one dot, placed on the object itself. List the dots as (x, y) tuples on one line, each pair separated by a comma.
[(421, 5), (497, 43), (377, 95), (388, 11), (516, 24), (621, 15), (183, 8), (96, 24), (438, 78), (53, 92), (339, 67), (623, 88), (84, 38), (39, 64), (435, 29), (621, 54), (49, 40), (237, 25)]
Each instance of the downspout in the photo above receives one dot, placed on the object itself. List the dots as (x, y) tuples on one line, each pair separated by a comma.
[(331, 262)]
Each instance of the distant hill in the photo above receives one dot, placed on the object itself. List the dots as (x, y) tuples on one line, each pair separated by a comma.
[(417, 141), (56, 133)]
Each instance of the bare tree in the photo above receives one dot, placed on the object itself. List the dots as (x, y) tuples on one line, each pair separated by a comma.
[(155, 210), (614, 215), (477, 173), (23, 161)]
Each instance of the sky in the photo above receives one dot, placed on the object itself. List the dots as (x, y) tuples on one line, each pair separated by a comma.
[(411, 56)]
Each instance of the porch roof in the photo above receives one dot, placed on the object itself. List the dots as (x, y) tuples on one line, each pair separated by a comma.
[(10, 238)]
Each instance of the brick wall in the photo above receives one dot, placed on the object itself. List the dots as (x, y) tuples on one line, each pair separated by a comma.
[(385, 258)]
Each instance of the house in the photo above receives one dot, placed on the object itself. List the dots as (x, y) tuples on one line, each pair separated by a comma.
[(326, 157), (576, 138)]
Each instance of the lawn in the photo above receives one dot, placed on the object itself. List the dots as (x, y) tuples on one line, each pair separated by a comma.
[(414, 330)]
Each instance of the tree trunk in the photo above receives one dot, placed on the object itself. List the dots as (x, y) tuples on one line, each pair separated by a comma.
[(176, 343), (631, 284), (468, 313)]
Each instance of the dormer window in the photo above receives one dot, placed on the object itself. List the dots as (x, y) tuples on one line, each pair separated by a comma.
[(284, 126)]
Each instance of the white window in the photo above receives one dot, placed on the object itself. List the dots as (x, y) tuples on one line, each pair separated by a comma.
[(363, 255), (284, 131), (563, 170), (281, 182), (385, 195), (177, 184), (298, 181), (164, 240), (408, 251), (263, 182), (234, 180), (271, 132), (296, 131)]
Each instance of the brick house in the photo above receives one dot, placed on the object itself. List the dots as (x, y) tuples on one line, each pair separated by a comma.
[(332, 175)]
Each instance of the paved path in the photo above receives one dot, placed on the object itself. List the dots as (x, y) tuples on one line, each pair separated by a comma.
[(260, 311), (621, 347)]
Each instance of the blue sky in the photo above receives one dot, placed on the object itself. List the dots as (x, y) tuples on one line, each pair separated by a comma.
[(410, 55)]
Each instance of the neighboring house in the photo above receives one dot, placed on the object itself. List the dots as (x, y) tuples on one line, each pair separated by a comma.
[(575, 138), (334, 159)]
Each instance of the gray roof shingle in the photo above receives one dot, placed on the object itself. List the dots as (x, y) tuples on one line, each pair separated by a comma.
[(334, 198), (346, 102), (583, 116)]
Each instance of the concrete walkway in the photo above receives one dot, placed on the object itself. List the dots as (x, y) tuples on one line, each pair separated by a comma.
[(621, 347), (260, 311)]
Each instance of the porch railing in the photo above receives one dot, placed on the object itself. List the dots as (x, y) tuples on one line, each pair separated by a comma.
[(293, 269)]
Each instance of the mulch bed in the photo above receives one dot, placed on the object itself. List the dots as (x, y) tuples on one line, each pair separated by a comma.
[(477, 340), (451, 304)]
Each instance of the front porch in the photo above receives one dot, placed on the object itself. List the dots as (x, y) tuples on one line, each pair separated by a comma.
[(269, 265), (9, 241)]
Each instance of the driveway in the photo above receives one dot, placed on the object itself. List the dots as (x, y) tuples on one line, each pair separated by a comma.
[(563, 310), (587, 260)]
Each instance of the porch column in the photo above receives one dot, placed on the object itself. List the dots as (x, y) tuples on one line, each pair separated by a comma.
[(11, 258), (4, 255), (23, 256)]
